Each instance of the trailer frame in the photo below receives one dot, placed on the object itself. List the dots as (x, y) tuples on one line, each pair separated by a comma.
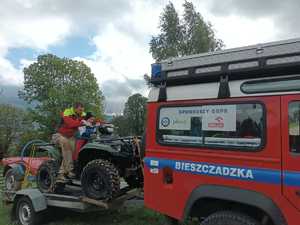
[(29, 204)]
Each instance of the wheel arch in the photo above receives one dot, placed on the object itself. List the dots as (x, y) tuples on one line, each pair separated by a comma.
[(246, 198), (18, 166), (37, 199), (88, 154)]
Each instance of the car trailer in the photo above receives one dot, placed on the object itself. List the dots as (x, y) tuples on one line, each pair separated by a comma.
[(29, 205)]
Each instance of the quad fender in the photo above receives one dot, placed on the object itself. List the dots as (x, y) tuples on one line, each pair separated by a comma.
[(240, 196), (18, 168), (98, 146), (92, 151)]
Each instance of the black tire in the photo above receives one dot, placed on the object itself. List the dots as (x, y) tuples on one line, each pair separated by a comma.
[(46, 176), (24, 212), (229, 218), (12, 183), (100, 180)]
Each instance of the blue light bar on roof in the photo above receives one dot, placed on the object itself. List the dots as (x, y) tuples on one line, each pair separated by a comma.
[(155, 70)]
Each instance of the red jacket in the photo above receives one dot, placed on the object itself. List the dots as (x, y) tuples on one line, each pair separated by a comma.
[(70, 126), (70, 123)]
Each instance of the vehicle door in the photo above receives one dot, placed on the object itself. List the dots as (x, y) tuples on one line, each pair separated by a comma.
[(290, 124)]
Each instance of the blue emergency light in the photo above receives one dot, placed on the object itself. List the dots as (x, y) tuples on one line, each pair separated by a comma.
[(155, 70)]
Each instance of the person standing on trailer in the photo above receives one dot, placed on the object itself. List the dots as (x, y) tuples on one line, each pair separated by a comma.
[(71, 119)]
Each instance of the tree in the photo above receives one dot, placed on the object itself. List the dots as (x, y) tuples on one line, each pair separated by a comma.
[(132, 122), (167, 43), (135, 114), (52, 84), (198, 35), (121, 125), (192, 35), (13, 122)]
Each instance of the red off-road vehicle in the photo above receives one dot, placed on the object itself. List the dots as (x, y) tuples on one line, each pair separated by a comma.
[(223, 136), (32, 156)]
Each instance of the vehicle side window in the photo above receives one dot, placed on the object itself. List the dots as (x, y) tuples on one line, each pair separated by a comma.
[(294, 126), (239, 126)]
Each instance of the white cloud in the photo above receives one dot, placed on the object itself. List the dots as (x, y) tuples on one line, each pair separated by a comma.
[(244, 31), (118, 55), (26, 62), (41, 33), (120, 30), (36, 34), (9, 74), (23, 24), (38, 24)]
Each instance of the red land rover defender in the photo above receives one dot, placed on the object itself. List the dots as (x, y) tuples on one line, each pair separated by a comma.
[(223, 136)]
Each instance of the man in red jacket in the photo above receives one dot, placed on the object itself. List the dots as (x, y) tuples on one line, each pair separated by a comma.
[(72, 118)]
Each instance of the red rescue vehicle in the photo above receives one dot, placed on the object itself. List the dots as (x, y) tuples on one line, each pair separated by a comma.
[(223, 136)]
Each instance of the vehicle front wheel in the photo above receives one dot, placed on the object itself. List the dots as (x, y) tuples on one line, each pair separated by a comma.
[(229, 218), (12, 183), (100, 180)]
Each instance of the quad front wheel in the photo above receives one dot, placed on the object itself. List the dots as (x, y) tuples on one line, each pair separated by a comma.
[(100, 180)]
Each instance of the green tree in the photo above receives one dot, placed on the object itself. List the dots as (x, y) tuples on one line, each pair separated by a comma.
[(121, 125), (132, 122), (135, 113), (191, 35), (198, 35), (52, 84), (13, 123), (167, 43)]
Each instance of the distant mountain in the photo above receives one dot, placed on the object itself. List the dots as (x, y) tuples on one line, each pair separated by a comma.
[(9, 95)]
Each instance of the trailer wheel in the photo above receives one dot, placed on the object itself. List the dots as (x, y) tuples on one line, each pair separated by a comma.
[(24, 212), (229, 218), (46, 176), (11, 183), (100, 180)]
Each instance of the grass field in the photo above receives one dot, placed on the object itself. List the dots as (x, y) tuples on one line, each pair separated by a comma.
[(129, 216), (137, 215)]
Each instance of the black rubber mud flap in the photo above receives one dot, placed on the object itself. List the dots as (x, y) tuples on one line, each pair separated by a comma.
[(162, 96), (224, 90)]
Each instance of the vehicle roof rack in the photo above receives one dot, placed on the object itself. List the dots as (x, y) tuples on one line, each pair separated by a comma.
[(262, 60)]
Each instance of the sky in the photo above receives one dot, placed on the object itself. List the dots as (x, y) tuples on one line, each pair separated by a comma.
[(112, 36)]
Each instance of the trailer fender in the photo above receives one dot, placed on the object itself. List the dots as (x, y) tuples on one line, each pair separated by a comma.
[(246, 197), (38, 200)]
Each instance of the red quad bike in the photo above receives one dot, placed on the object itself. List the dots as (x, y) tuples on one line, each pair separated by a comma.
[(99, 164), (33, 154)]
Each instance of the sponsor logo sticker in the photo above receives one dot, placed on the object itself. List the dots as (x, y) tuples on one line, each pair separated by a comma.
[(165, 121), (154, 163), (154, 170)]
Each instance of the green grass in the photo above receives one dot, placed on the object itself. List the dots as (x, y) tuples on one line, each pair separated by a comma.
[(137, 215), (127, 216)]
